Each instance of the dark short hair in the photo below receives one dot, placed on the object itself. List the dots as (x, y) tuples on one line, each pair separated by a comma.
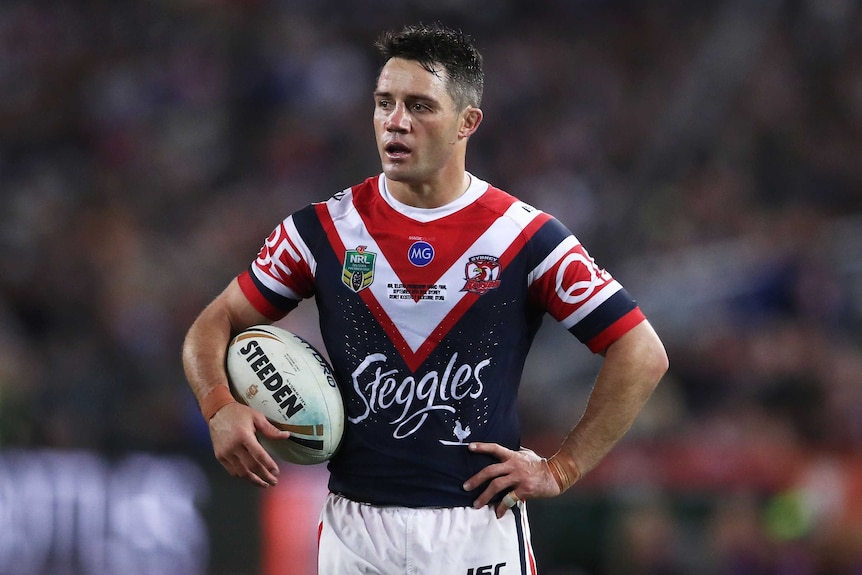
[(433, 46)]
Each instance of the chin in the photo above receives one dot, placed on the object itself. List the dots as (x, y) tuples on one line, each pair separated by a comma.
[(397, 174)]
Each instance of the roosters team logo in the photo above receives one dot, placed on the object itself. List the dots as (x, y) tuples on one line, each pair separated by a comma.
[(482, 274)]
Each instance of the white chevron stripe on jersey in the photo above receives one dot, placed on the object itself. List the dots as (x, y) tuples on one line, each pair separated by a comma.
[(416, 321)]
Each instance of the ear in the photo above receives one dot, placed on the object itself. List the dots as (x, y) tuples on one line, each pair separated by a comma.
[(470, 119)]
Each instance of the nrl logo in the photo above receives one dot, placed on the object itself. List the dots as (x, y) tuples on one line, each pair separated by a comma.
[(482, 274), (358, 271), (251, 391)]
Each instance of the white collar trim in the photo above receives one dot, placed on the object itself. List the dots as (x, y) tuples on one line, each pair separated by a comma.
[(476, 188)]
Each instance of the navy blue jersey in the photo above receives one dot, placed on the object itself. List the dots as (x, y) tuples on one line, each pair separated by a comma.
[(427, 316)]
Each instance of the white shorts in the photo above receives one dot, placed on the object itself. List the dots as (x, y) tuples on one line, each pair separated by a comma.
[(361, 539)]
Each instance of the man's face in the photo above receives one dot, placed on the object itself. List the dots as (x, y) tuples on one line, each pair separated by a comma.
[(416, 123)]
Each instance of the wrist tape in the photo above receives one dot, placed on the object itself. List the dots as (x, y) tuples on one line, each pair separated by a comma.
[(564, 470), (217, 398)]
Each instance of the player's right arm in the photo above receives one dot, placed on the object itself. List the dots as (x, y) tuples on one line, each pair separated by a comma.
[(232, 425)]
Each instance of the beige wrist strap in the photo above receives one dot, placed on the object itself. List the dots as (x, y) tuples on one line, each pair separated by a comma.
[(217, 398), (564, 470)]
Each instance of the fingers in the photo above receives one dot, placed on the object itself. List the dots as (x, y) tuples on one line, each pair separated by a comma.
[(257, 465), (493, 470), (499, 476), (509, 500), (497, 486), (494, 449), (489, 472), (267, 429), (519, 474), (251, 462), (234, 435)]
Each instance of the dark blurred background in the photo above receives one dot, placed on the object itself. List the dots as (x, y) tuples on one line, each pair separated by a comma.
[(709, 154)]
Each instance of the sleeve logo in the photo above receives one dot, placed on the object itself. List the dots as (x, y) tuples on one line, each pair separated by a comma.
[(358, 270), (588, 276)]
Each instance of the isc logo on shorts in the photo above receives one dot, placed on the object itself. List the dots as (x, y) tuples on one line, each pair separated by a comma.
[(486, 569)]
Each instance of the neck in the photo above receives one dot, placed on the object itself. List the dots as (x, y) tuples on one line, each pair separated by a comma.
[(429, 194)]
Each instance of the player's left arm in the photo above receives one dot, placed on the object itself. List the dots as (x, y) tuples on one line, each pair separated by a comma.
[(633, 366)]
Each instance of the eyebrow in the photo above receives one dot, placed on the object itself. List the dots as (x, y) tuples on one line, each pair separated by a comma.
[(419, 97)]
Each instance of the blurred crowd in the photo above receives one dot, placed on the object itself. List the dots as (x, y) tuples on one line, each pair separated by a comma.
[(709, 154)]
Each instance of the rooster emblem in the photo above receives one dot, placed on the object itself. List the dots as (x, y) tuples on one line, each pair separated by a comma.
[(482, 274), (460, 432)]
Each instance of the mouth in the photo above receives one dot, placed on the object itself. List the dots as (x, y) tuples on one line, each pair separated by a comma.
[(396, 150)]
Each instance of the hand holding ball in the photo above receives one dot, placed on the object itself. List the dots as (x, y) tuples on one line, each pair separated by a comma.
[(281, 375)]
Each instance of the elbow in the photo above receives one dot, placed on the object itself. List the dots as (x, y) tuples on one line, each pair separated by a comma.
[(652, 358), (658, 364), (639, 356)]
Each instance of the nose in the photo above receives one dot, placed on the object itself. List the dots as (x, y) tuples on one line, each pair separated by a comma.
[(398, 120)]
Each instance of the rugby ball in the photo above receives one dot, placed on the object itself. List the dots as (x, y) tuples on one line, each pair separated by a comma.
[(281, 375)]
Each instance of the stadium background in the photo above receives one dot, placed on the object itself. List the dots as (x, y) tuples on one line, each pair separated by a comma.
[(708, 153)]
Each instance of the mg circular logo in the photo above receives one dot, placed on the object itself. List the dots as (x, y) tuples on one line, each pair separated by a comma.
[(420, 254)]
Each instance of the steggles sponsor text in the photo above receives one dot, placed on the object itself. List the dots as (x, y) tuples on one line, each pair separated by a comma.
[(383, 390)]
